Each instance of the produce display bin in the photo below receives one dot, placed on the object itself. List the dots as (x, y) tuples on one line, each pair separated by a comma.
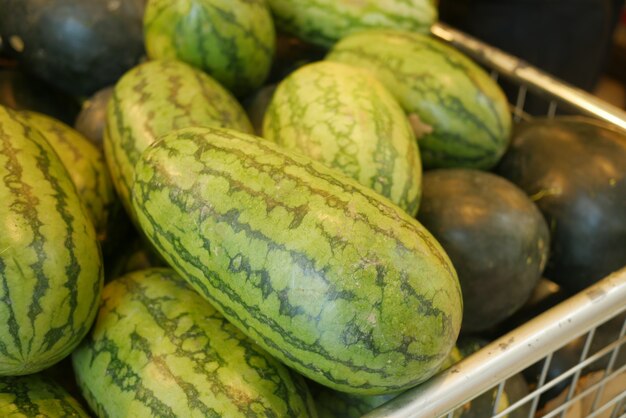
[(536, 342)]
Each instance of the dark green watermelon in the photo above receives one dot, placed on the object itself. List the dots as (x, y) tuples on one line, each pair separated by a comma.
[(495, 236), (20, 91), (79, 46), (256, 106), (292, 53), (133, 254), (574, 169)]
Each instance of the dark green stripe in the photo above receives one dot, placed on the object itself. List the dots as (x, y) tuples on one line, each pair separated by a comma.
[(122, 375), (13, 327), (24, 204), (384, 209), (72, 269)]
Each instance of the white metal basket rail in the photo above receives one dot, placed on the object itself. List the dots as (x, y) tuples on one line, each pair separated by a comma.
[(539, 338)]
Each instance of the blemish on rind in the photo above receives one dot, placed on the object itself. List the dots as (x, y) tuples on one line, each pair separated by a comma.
[(505, 345), (420, 128), (595, 294)]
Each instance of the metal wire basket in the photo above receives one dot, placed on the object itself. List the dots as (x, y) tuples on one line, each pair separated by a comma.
[(580, 319)]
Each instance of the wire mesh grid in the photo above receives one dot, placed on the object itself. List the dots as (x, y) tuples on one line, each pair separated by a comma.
[(573, 356), (594, 385)]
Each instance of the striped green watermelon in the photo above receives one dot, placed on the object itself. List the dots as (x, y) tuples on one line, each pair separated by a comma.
[(343, 117), (324, 22), (36, 396), (158, 349), (50, 262), (155, 98), (85, 164), (324, 273), (460, 115), (232, 40)]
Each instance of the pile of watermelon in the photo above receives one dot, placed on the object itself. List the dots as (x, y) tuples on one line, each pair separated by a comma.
[(284, 209)]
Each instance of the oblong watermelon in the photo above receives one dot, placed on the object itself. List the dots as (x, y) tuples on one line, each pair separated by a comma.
[(84, 162), (50, 262), (460, 115), (325, 274), (159, 349), (157, 97), (323, 22), (232, 40), (343, 117)]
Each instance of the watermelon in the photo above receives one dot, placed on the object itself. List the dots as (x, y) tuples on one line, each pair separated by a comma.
[(159, 349), (343, 117), (292, 53), (134, 254), (232, 40), (495, 236), (574, 169), (77, 46), (323, 22), (85, 164), (154, 98), (92, 117), (325, 274), (460, 115), (256, 106), (36, 396), (50, 262), (20, 91)]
